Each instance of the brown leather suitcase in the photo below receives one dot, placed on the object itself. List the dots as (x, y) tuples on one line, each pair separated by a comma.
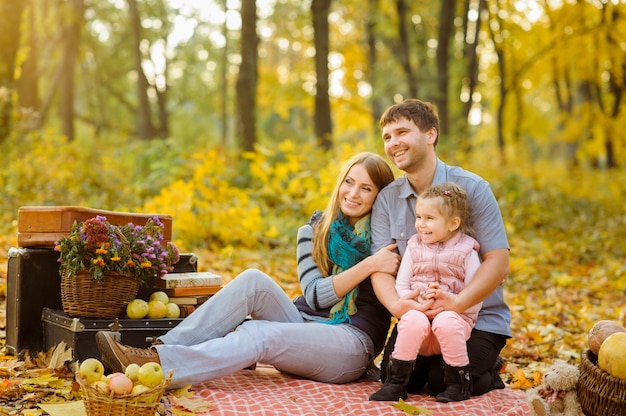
[(42, 226)]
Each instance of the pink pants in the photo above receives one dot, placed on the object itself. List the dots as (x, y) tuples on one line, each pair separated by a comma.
[(447, 335)]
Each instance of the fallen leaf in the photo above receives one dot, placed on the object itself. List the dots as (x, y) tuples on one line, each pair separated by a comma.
[(410, 409), (197, 405), (76, 408), (183, 392)]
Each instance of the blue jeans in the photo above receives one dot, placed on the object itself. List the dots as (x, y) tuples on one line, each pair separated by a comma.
[(217, 339)]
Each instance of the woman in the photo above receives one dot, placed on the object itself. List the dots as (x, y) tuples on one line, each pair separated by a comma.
[(329, 334)]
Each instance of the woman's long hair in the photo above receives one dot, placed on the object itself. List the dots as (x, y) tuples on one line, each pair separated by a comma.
[(380, 173)]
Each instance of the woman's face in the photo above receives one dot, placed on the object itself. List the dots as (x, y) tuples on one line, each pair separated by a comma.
[(357, 194)]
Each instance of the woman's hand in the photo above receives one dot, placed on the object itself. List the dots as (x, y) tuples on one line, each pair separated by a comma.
[(386, 260)]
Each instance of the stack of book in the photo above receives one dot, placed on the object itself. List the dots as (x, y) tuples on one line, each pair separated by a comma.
[(189, 290)]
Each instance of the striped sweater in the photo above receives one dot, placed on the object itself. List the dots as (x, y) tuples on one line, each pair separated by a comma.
[(319, 295)]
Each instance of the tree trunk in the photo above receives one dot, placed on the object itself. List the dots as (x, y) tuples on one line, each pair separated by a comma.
[(404, 52), (71, 43), (471, 58), (247, 79), (9, 43), (27, 84), (370, 29), (145, 129), (446, 31), (224, 78), (323, 124)]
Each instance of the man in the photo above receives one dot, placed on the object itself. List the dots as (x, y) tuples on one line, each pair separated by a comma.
[(410, 133)]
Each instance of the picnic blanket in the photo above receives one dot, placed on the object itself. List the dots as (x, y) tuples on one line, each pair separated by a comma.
[(267, 392)]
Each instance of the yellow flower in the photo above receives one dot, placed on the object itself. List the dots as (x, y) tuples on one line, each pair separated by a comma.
[(130, 263), (98, 262), (116, 258), (101, 251), (146, 264)]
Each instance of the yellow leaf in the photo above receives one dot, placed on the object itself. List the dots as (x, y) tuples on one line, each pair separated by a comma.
[(409, 409), (197, 405), (183, 392)]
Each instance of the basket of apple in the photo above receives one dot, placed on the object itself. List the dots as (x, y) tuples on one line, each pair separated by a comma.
[(136, 392)]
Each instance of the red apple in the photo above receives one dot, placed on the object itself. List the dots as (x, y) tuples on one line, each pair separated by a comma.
[(120, 384)]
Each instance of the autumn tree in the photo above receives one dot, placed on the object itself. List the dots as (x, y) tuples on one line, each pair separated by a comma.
[(247, 79), (9, 44), (323, 127)]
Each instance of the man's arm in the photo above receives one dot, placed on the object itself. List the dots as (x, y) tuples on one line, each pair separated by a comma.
[(491, 273)]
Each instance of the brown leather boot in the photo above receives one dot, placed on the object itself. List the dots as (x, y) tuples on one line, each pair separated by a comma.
[(117, 357)]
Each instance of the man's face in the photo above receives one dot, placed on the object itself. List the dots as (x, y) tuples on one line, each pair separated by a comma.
[(405, 144)]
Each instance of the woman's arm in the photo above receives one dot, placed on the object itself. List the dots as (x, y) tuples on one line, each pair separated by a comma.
[(322, 292)]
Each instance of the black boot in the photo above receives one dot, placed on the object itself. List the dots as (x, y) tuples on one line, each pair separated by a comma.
[(457, 381), (398, 374)]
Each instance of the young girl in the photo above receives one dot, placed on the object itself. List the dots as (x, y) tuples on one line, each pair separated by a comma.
[(441, 256)]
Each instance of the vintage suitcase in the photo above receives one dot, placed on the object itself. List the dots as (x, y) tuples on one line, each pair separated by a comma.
[(80, 333), (42, 226), (33, 283)]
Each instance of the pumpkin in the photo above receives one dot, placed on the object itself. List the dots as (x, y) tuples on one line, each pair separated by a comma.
[(600, 331), (612, 355)]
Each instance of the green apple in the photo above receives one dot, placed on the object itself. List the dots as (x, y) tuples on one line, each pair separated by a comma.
[(132, 370), (156, 309), (173, 311), (150, 374), (137, 309), (160, 295), (91, 370)]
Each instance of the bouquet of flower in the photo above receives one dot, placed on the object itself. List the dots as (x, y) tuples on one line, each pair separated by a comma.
[(100, 248)]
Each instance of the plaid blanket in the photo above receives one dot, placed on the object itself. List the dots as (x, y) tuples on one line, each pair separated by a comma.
[(265, 392)]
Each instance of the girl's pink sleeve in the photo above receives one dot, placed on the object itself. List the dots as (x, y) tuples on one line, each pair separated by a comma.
[(403, 279)]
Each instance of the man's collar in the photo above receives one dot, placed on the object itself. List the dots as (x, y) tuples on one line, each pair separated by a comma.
[(406, 190)]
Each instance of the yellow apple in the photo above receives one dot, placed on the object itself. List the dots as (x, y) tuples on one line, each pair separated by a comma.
[(173, 311), (156, 309), (91, 370), (150, 374), (131, 371), (137, 309), (160, 295), (139, 388)]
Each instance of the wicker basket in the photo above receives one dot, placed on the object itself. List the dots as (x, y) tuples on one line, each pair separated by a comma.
[(82, 297), (599, 393), (98, 403)]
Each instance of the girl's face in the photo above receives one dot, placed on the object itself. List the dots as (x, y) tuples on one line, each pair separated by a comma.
[(357, 194), (432, 225)]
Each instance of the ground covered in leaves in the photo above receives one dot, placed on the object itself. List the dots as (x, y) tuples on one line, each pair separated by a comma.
[(553, 310)]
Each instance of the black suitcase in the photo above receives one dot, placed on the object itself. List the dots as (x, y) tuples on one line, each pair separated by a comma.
[(80, 333), (33, 283)]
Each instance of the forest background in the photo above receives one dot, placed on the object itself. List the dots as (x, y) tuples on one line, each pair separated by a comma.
[(233, 116)]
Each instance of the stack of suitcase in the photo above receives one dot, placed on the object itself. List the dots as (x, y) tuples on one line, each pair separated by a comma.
[(34, 314)]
